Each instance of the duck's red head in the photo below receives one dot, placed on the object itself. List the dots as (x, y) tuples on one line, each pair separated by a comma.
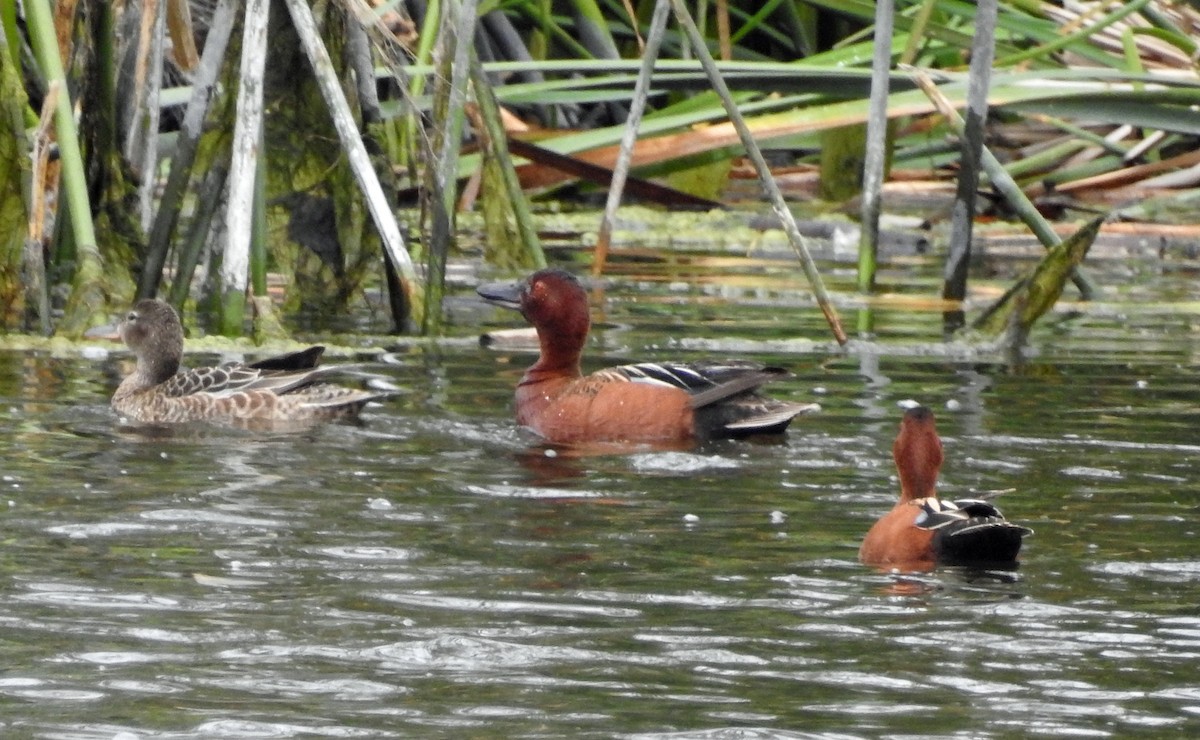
[(918, 454), (556, 305)]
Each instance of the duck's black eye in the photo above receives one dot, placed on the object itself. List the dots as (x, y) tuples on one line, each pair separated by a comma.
[(131, 316)]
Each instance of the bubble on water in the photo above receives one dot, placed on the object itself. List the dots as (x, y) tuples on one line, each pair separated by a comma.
[(379, 504)]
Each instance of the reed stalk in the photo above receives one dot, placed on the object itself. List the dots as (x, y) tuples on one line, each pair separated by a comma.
[(592, 28), (187, 144), (400, 137), (764, 172), (416, 140), (454, 41), (983, 50), (247, 140), (875, 158), (356, 154), (258, 236), (87, 298), (208, 201), (511, 200), (654, 37), (183, 39), (1036, 292), (1001, 180), (12, 38), (141, 141), (22, 270)]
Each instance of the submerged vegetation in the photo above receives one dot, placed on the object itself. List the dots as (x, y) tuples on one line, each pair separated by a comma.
[(205, 150)]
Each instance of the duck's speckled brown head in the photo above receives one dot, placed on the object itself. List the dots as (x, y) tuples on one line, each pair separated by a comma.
[(153, 331)]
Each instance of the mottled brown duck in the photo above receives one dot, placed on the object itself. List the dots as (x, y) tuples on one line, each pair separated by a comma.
[(277, 391)]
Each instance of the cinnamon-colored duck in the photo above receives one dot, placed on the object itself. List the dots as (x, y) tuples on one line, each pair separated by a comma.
[(645, 402), (273, 392), (922, 531)]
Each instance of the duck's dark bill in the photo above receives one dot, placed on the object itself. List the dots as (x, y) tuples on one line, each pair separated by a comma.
[(507, 295)]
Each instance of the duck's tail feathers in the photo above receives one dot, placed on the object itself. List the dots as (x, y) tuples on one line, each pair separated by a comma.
[(970, 531), (305, 359), (773, 419), (336, 398), (731, 379)]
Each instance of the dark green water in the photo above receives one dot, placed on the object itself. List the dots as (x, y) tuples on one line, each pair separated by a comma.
[(431, 573)]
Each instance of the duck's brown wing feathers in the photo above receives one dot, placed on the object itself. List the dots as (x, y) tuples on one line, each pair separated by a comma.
[(279, 374)]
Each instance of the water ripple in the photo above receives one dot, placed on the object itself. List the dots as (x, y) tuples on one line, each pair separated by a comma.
[(341, 689), (461, 654), (516, 606), (500, 490), (94, 599), (1176, 571), (680, 462), (233, 729), (114, 658), (208, 516), (99, 529), (368, 553)]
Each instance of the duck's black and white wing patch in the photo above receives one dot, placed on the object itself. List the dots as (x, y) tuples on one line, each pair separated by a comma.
[(664, 374), (936, 513), (684, 377), (970, 530), (721, 392), (704, 379)]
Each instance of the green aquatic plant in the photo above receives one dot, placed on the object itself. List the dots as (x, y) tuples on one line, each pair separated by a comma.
[(797, 69)]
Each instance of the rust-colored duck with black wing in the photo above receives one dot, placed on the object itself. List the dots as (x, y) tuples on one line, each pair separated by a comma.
[(922, 530), (643, 402), (276, 391)]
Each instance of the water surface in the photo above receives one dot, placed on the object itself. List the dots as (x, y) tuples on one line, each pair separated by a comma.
[(434, 572)]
